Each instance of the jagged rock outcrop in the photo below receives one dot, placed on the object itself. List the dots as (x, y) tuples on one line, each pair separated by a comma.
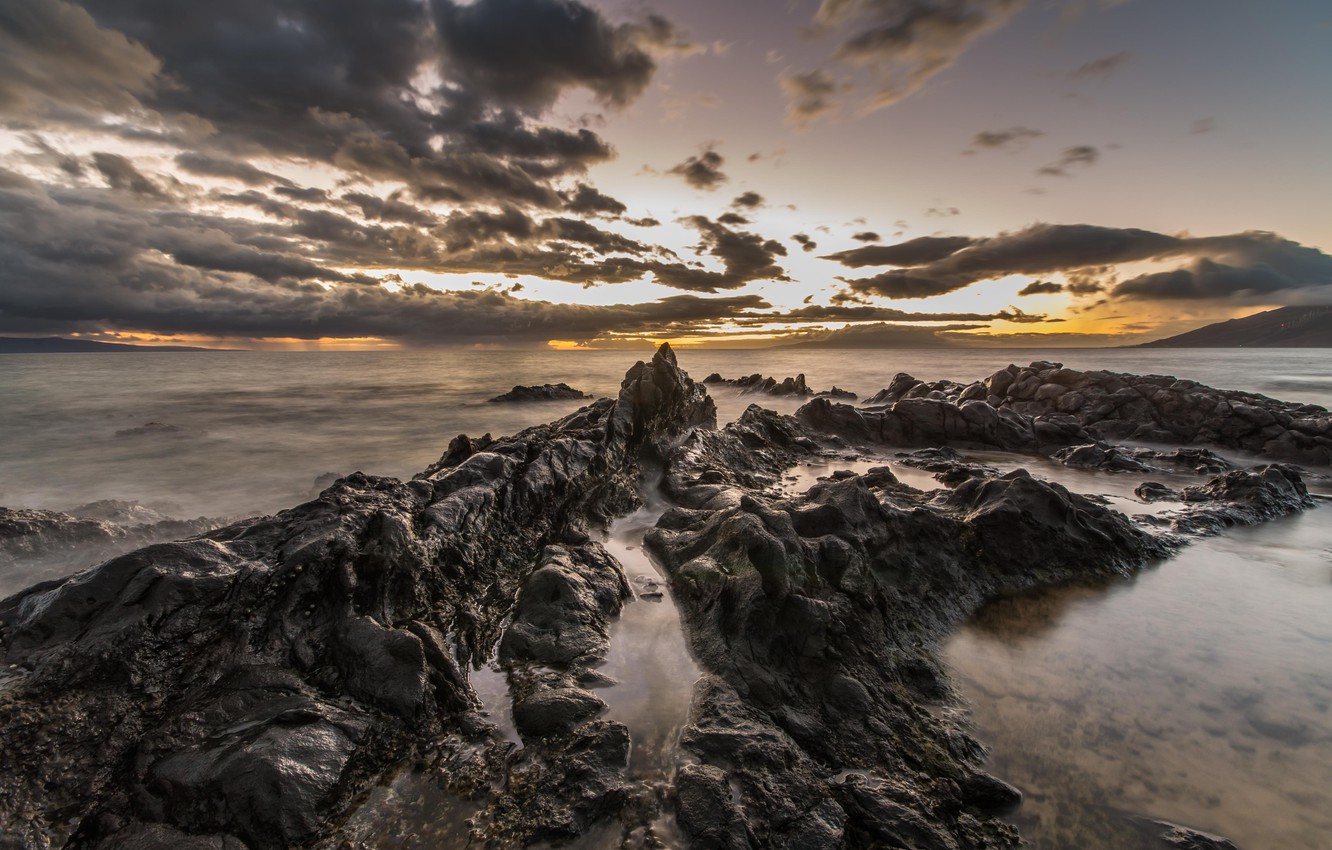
[(810, 614), (543, 392), (1110, 458), (930, 422), (760, 385), (1242, 497), (249, 683), (1114, 407)]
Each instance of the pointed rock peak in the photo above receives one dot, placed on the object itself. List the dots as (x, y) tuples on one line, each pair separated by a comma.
[(665, 354), (658, 401)]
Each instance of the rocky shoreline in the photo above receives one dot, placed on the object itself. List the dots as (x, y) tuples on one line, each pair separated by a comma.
[(251, 686)]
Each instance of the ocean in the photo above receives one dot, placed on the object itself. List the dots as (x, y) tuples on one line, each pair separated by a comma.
[(1199, 692)]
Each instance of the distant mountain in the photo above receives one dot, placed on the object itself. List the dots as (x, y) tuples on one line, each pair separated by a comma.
[(1286, 327), (60, 345)]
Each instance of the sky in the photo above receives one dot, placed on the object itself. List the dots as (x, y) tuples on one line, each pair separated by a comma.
[(348, 174)]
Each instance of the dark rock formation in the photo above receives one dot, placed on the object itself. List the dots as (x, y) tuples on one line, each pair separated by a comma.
[(1062, 404), (812, 615), (760, 385), (544, 392), (249, 684), (947, 465), (1242, 497)]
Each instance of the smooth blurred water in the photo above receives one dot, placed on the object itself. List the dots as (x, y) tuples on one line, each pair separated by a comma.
[(256, 429)]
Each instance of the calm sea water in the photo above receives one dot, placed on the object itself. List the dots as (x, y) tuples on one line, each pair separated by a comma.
[(1200, 692)]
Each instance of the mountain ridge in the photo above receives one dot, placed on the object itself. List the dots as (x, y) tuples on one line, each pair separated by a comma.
[(1284, 327), (61, 345)]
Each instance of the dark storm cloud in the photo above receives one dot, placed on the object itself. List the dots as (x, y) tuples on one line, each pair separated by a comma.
[(443, 97), (806, 244), (67, 265), (391, 209), (1000, 139), (1079, 156), (702, 171), (1250, 262), (913, 252), (588, 200), (906, 42), (206, 165), (54, 56), (1246, 265), (1102, 67), (526, 52), (121, 174), (447, 177), (745, 256), (1041, 287), (304, 194)]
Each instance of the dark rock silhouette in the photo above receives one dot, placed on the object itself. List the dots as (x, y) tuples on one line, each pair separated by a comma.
[(544, 392)]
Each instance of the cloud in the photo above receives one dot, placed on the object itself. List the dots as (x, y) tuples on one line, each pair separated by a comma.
[(1079, 156), (588, 200), (865, 314), (1041, 287), (1240, 264), (913, 252), (391, 209), (865, 236), (809, 95), (1102, 67), (68, 265), (702, 171), (232, 169), (443, 97), (748, 200), (54, 56), (904, 43), (121, 174), (884, 336), (527, 52), (1002, 139), (942, 212), (806, 244)]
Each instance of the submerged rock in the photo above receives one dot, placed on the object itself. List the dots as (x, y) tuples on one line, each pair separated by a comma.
[(544, 392)]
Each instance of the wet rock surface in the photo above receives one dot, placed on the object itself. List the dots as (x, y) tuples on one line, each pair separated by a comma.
[(55, 543), (1059, 404), (253, 686), (543, 392)]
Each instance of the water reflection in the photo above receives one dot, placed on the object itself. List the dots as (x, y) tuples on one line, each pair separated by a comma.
[(1198, 694)]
